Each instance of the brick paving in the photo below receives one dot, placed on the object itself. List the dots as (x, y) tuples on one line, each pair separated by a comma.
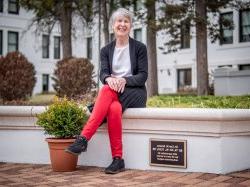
[(25, 175)]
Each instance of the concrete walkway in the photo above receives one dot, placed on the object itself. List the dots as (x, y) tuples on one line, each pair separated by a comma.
[(41, 175)]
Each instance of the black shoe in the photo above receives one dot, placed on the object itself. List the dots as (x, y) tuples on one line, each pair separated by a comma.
[(116, 166), (80, 145)]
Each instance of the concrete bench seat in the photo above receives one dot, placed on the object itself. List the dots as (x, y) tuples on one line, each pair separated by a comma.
[(218, 140)]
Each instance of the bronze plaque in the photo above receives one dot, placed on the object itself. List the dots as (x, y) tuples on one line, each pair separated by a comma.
[(170, 153)]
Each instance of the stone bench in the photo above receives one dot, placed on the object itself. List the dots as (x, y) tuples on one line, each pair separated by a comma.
[(218, 140)]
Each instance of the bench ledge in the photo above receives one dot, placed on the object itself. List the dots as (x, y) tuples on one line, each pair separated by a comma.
[(207, 114)]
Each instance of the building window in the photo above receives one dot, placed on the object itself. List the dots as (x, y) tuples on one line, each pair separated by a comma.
[(138, 34), (225, 66), (185, 35), (1, 42), (57, 44), (1, 5), (12, 41), (45, 82), (226, 30), (244, 67), (89, 48), (184, 78), (45, 46), (13, 7), (138, 5), (245, 25)]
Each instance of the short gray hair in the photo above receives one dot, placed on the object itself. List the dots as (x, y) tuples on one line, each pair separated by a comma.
[(121, 12)]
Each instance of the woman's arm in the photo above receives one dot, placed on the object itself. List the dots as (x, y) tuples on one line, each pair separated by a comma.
[(142, 73), (105, 70)]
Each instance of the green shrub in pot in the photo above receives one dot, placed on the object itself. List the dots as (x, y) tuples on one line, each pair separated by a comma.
[(63, 118)]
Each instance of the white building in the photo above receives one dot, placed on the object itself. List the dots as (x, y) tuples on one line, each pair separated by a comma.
[(175, 70), (41, 49), (178, 70)]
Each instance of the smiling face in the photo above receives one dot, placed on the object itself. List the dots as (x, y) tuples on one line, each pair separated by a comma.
[(122, 26)]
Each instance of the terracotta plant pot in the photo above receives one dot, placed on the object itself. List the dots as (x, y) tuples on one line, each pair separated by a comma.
[(61, 160)]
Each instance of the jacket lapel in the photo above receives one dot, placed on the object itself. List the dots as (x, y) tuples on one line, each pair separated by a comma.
[(111, 54), (132, 55)]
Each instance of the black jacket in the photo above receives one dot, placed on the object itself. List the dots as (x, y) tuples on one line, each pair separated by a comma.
[(135, 94)]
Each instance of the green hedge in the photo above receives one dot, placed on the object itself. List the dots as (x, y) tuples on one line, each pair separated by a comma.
[(181, 101), (62, 119)]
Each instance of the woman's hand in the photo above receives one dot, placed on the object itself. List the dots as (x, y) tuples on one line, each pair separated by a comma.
[(122, 83), (112, 82), (116, 84)]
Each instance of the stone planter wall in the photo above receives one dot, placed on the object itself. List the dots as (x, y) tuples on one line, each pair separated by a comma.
[(217, 139)]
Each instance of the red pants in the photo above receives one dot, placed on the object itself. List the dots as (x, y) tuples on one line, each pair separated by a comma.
[(106, 105)]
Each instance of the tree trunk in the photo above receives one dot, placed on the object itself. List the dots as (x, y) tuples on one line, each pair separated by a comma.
[(66, 23), (105, 19), (201, 48), (152, 82)]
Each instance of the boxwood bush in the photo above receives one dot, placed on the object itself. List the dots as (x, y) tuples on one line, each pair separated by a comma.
[(17, 77), (73, 77), (62, 119)]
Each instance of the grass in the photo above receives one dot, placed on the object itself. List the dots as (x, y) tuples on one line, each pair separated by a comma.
[(41, 99), (190, 101), (171, 101)]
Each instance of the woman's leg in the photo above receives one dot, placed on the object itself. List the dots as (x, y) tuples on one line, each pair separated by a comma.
[(102, 104), (115, 128), (104, 99), (115, 137)]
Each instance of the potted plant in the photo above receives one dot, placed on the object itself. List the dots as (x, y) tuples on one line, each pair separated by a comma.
[(63, 120)]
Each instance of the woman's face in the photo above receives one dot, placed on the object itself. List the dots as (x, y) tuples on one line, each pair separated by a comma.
[(122, 26)]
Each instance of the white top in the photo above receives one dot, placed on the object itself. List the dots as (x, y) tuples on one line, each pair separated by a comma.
[(121, 66)]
